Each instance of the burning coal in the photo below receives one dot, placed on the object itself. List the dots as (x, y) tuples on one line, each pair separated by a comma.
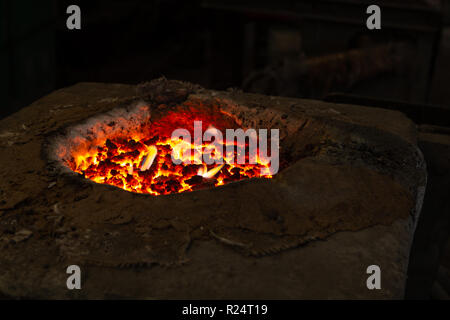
[(129, 151)]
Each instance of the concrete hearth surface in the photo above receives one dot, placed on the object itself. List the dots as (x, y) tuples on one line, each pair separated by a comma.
[(349, 198)]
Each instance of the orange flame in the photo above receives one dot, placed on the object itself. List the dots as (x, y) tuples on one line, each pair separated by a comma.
[(141, 162)]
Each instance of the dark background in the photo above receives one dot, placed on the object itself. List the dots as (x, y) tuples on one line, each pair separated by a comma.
[(317, 49), (221, 44)]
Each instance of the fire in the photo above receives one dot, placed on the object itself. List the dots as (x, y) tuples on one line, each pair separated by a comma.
[(149, 158), (141, 161)]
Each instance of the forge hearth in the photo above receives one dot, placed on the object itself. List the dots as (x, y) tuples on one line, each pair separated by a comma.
[(133, 149), (349, 176)]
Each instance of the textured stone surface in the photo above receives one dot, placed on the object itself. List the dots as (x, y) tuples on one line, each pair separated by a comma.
[(348, 199)]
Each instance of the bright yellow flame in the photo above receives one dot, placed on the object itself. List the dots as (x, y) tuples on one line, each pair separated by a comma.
[(211, 173), (149, 158)]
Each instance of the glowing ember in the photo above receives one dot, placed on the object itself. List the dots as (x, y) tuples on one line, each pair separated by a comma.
[(141, 161), (149, 158)]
